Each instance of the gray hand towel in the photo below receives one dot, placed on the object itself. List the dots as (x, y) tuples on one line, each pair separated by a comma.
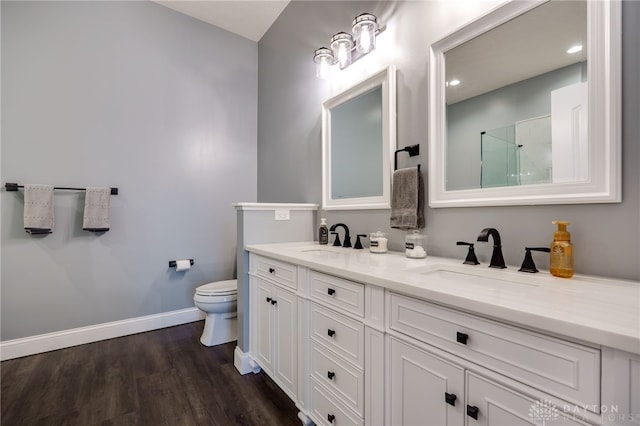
[(38, 209), (407, 200), (97, 202)]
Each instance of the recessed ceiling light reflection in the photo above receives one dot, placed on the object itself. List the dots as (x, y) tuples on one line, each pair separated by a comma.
[(575, 49), (452, 83)]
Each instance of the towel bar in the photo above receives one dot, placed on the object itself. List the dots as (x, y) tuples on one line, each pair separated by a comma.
[(413, 150), (15, 186)]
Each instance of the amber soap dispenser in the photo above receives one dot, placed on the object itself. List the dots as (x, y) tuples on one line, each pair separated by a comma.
[(561, 261)]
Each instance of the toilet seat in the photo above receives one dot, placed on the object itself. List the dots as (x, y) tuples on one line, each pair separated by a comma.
[(218, 288)]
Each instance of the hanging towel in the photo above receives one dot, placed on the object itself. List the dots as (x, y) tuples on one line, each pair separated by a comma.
[(407, 200), (38, 209), (96, 210)]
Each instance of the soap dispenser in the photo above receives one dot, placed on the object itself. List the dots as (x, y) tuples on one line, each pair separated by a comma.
[(323, 232), (561, 257)]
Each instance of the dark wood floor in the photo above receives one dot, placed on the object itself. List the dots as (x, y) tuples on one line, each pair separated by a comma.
[(163, 377)]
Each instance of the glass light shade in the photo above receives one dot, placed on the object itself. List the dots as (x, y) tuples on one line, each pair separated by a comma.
[(323, 59), (365, 27), (341, 45)]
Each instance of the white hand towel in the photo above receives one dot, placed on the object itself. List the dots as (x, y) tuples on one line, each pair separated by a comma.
[(96, 210), (38, 209)]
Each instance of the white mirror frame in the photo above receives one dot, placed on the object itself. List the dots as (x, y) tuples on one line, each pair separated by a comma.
[(387, 79), (604, 91)]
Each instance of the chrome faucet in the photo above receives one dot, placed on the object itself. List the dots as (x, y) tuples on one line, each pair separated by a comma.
[(347, 237), (497, 261)]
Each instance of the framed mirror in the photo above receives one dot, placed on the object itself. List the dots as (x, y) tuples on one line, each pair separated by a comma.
[(358, 141), (525, 107)]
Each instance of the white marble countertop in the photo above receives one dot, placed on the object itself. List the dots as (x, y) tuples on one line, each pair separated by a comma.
[(593, 309)]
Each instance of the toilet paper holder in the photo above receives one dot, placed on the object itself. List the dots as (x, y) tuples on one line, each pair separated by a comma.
[(174, 263)]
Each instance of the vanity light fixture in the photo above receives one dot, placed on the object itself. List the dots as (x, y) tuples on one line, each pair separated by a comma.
[(575, 49), (346, 48), (341, 46), (323, 58), (364, 31)]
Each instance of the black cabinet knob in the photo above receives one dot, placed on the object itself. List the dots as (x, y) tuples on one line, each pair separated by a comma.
[(269, 299), (472, 411), (271, 270), (462, 338), (331, 291), (274, 302), (331, 418), (450, 398), (331, 332), (331, 375)]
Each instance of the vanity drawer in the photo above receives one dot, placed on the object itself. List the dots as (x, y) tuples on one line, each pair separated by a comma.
[(328, 410), (338, 376), (339, 333), (562, 368), (274, 270), (338, 293)]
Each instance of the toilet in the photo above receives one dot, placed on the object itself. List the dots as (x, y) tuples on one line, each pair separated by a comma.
[(219, 301)]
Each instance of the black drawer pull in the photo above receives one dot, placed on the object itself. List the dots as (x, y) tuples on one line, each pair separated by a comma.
[(331, 332), (462, 337), (450, 398), (269, 300), (331, 418), (271, 270), (331, 375), (331, 291), (472, 411)]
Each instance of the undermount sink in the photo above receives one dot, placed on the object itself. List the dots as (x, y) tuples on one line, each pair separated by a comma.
[(317, 250), (484, 277)]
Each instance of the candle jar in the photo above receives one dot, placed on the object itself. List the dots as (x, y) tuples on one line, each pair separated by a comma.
[(378, 242), (415, 245)]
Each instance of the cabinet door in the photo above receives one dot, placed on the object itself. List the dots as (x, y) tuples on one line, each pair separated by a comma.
[(264, 350), (286, 342), (424, 389), (492, 404)]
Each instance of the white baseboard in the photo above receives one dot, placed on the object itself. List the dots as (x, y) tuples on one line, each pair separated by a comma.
[(79, 336), (244, 363)]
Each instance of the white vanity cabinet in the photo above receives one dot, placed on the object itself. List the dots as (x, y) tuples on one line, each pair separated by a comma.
[(463, 365), (274, 331), (351, 348)]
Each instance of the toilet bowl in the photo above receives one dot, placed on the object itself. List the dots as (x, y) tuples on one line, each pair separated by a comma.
[(219, 301)]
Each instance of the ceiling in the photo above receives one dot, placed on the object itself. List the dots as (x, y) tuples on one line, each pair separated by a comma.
[(527, 46), (247, 18)]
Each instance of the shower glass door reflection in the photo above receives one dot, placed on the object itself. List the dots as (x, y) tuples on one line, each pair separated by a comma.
[(519, 154)]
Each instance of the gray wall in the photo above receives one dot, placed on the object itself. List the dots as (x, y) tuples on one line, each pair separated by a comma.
[(606, 237), (131, 95)]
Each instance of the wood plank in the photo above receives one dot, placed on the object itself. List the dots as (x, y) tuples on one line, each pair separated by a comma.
[(160, 377)]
